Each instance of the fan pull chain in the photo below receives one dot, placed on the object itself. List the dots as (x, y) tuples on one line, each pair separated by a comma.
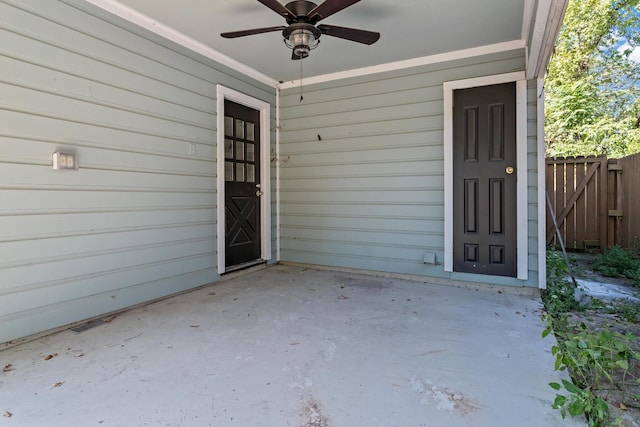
[(301, 97)]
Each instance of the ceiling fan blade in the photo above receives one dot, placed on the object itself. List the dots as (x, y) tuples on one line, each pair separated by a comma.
[(242, 33), (328, 8), (353, 34), (277, 7)]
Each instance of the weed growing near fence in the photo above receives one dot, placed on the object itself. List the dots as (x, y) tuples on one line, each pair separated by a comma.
[(559, 296), (595, 361)]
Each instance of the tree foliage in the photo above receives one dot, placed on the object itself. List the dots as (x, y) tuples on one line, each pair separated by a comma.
[(593, 84)]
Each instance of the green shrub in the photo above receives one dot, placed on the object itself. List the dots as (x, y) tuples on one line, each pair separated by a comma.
[(619, 262)]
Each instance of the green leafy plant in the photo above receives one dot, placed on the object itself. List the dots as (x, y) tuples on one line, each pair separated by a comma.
[(559, 297), (592, 360), (619, 262), (556, 266), (629, 311), (581, 402), (593, 357)]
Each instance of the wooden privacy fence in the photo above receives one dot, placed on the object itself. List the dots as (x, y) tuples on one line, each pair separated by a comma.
[(596, 201)]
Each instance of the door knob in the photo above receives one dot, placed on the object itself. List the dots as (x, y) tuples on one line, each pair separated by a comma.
[(259, 193), (509, 170)]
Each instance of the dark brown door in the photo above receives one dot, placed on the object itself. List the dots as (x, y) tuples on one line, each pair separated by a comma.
[(484, 199), (242, 183)]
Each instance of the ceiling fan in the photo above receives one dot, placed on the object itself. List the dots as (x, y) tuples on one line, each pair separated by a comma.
[(301, 34)]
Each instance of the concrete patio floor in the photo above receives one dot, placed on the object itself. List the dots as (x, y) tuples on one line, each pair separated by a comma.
[(295, 346)]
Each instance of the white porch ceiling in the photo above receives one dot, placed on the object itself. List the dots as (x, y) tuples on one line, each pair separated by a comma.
[(409, 29)]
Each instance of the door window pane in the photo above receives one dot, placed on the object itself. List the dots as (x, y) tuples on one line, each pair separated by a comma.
[(228, 171), (228, 125), (239, 128), (228, 148), (250, 131), (239, 172), (251, 173), (239, 150), (250, 152)]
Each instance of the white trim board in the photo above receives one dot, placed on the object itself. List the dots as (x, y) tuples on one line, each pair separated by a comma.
[(548, 19), (278, 194), (223, 93), (415, 62), (521, 158), (542, 200)]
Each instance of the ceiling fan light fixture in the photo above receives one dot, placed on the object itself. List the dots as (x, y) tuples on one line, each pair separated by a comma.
[(302, 40)]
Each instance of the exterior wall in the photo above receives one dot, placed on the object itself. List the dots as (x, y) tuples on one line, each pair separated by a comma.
[(137, 220), (361, 169)]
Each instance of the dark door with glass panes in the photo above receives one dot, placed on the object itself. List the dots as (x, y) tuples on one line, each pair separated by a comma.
[(242, 183), (484, 195)]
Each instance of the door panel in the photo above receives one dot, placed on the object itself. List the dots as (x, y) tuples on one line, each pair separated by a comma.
[(484, 150), (242, 183)]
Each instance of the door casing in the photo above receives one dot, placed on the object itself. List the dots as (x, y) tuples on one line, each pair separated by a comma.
[(265, 171), (521, 164)]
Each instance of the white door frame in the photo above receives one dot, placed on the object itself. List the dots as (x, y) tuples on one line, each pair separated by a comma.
[(521, 164), (265, 171)]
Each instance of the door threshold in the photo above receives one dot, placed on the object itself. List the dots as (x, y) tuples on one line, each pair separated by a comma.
[(244, 265)]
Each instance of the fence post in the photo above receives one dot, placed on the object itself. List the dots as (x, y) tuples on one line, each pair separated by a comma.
[(615, 204)]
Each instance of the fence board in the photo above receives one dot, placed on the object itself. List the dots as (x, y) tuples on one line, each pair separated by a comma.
[(560, 196), (571, 180), (603, 184), (614, 201), (580, 211), (550, 187)]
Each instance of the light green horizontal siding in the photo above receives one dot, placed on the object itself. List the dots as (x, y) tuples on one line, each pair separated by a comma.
[(137, 221), (362, 169), (532, 179)]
